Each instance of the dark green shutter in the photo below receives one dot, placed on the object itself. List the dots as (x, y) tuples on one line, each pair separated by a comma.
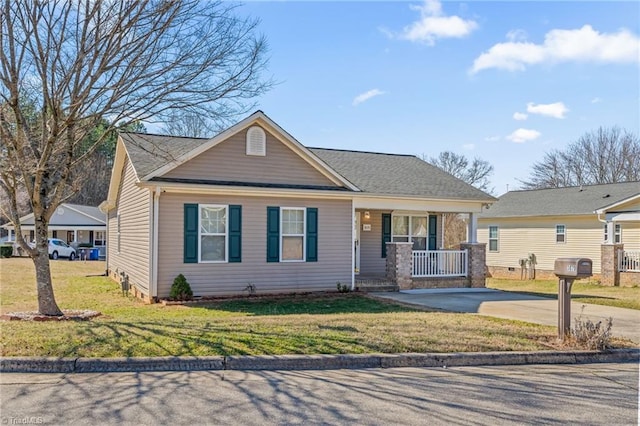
[(386, 232), (273, 234), (235, 234), (312, 234), (190, 233), (433, 232)]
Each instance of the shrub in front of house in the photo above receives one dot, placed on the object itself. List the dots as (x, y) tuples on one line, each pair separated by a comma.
[(6, 250), (180, 289)]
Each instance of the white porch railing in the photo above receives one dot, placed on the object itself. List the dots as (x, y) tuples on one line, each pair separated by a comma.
[(628, 261), (439, 263)]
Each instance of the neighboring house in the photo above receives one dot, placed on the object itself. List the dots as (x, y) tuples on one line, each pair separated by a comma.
[(72, 223), (252, 208), (586, 221)]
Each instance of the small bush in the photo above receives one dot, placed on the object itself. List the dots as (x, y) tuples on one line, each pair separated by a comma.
[(590, 335), (342, 288), (85, 245), (180, 289), (6, 251)]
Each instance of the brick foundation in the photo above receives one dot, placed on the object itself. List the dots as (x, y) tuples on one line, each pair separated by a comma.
[(133, 290), (629, 279)]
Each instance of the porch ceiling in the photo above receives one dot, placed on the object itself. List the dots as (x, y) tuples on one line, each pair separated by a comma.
[(441, 206)]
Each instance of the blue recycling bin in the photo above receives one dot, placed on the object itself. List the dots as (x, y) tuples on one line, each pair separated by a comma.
[(94, 254)]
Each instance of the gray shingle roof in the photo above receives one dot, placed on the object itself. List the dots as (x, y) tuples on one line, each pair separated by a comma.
[(385, 174), (394, 174), (561, 201), (150, 152)]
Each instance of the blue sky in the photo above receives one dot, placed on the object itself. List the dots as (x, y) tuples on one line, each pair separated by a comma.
[(503, 81)]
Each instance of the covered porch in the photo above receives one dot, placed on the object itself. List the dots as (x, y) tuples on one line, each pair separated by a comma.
[(403, 247)]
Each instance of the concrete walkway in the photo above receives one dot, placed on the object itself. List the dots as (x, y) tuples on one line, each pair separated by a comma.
[(503, 304)]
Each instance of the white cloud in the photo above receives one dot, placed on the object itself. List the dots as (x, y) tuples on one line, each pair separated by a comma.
[(523, 135), (492, 138), (578, 45), (363, 97), (434, 24), (555, 110), (520, 116), (596, 100), (517, 35), (469, 146)]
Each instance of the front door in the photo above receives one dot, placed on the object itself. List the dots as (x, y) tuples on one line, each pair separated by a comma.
[(356, 244)]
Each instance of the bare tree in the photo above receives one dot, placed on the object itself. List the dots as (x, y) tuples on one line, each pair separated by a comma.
[(606, 155), (81, 61), (476, 173), (190, 124)]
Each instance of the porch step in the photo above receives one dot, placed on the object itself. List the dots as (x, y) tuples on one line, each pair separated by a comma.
[(375, 284)]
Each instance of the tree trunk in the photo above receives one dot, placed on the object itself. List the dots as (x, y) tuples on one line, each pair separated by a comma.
[(46, 300)]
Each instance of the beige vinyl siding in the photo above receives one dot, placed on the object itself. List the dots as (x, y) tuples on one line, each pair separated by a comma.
[(517, 237), (631, 235), (371, 260), (210, 279), (228, 161), (133, 204)]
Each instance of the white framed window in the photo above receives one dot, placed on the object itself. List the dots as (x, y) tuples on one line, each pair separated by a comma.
[(118, 231), (617, 233), (100, 238), (561, 234), (213, 228), (493, 238), (292, 234), (256, 141), (412, 229)]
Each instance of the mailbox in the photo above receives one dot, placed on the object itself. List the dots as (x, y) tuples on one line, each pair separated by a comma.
[(573, 267)]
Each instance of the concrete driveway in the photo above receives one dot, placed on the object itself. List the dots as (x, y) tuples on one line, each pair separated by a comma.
[(503, 304)]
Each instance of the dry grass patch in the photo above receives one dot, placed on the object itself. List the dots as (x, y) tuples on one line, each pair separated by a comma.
[(582, 291)]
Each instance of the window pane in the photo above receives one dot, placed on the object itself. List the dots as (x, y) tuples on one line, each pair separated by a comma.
[(292, 222), (419, 227), (213, 248), (419, 243), (493, 245), (292, 248), (560, 238), (401, 225), (213, 220), (493, 232)]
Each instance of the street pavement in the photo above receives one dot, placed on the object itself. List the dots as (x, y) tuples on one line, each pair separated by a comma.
[(523, 307), (591, 394)]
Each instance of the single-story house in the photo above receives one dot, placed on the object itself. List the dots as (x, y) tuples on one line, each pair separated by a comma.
[(73, 223), (600, 222), (252, 209)]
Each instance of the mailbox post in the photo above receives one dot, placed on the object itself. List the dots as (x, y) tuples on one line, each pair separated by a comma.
[(567, 269)]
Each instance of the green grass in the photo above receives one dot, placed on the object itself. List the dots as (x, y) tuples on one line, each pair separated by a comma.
[(302, 324), (582, 291)]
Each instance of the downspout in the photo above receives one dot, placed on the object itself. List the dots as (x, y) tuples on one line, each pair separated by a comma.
[(353, 238), (154, 237)]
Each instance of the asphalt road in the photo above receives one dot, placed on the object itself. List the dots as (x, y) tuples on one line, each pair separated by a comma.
[(535, 394)]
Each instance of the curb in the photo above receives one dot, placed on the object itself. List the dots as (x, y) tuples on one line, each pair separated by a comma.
[(309, 362)]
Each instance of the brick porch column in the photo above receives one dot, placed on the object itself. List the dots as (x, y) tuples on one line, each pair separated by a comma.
[(476, 263), (610, 275), (399, 259)]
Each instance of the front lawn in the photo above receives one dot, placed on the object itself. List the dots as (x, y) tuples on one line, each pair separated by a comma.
[(304, 324), (582, 291)]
